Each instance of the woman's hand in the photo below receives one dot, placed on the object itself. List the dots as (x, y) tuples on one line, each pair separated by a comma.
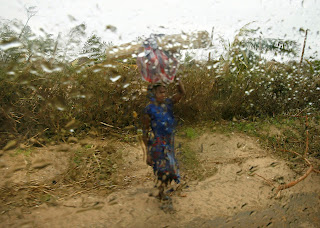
[(181, 91), (149, 160)]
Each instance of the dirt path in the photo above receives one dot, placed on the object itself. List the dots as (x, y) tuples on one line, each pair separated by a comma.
[(237, 193)]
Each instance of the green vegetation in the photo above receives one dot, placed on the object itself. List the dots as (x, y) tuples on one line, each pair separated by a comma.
[(25, 152), (45, 197), (190, 164), (78, 157), (88, 146), (190, 133), (281, 133), (189, 158)]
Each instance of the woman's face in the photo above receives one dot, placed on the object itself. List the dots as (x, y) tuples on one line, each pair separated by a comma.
[(161, 94)]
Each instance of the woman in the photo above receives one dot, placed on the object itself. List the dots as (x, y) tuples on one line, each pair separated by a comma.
[(158, 116)]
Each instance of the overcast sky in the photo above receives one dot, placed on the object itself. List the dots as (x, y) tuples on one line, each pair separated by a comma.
[(133, 18)]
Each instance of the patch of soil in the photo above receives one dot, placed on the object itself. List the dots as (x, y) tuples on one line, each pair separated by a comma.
[(242, 185), (33, 164)]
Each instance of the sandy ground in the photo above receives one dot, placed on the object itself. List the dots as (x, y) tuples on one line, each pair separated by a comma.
[(240, 193)]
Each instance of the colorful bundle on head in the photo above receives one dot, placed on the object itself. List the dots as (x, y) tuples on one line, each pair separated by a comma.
[(155, 65)]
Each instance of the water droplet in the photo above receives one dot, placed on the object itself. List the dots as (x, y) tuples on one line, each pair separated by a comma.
[(96, 70), (109, 65), (111, 28), (4, 46), (60, 108), (11, 73), (141, 54), (46, 69), (116, 78)]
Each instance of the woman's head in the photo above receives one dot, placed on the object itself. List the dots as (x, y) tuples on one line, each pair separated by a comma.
[(160, 93)]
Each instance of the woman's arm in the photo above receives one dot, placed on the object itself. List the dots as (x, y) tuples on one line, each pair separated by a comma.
[(145, 132), (181, 92), (146, 128)]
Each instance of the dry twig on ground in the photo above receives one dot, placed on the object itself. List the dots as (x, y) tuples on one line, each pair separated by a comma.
[(304, 157), (293, 183)]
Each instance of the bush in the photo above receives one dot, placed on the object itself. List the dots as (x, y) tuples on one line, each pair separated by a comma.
[(44, 97)]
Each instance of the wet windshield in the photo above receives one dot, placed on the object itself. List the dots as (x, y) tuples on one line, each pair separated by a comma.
[(156, 111)]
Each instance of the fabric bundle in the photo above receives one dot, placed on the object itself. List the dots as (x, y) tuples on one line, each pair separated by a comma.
[(155, 65)]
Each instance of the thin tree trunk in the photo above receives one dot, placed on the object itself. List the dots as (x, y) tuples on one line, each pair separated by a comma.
[(211, 38), (55, 48), (304, 45), (260, 48), (23, 28)]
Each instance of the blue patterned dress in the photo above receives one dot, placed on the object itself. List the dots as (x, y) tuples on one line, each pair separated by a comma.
[(161, 141)]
